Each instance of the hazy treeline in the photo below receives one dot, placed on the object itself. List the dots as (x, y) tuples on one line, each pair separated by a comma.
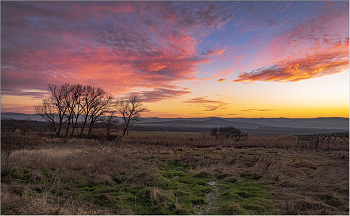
[(69, 103), (25, 126)]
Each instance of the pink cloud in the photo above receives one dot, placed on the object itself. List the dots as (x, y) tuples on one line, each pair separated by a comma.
[(241, 57), (115, 45)]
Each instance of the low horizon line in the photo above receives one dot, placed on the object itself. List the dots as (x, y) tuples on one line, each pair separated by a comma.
[(212, 117)]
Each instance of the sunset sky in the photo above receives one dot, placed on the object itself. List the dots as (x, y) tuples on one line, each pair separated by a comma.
[(185, 59)]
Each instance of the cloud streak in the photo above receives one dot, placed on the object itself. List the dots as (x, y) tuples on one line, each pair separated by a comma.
[(311, 66), (159, 94), (259, 110), (210, 105)]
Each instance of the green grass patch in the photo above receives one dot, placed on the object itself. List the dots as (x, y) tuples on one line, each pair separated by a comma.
[(169, 190), (245, 197)]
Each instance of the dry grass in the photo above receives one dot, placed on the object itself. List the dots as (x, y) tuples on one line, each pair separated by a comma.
[(204, 140), (302, 179)]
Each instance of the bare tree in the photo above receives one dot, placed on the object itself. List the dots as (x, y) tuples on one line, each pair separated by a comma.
[(89, 100), (98, 108), (68, 102), (54, 108), (48, 111), (76, 108), (130, 111)]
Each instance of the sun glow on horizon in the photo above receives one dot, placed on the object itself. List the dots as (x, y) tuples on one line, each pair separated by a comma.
[(184, 59)]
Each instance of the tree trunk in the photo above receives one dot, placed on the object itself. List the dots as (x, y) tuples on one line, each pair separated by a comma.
[(73, 128), (125, 129), (90, 129), (91, 126), (68, 126), (82, 130), (60, 125), (56, 131), (74, 125)]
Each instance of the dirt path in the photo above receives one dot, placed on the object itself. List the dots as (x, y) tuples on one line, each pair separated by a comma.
[(212, 199)]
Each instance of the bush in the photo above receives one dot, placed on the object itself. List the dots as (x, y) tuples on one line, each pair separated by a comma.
[(228, 132)]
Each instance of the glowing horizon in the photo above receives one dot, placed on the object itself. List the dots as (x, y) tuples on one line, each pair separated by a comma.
[(185, 59)]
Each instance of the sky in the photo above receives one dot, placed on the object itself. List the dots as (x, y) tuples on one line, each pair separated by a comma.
[(184, 59)]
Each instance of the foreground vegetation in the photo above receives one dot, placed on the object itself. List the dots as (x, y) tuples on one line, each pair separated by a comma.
[(172, 173)]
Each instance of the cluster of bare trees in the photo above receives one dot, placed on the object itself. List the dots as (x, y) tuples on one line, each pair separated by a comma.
[(67, 104)]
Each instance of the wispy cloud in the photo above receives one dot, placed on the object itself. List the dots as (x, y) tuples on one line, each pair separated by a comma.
[(311, 66), (210, 105), (258, 110), (159, 94)]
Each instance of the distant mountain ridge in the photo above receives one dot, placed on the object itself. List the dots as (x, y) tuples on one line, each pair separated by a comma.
[(317, 123)]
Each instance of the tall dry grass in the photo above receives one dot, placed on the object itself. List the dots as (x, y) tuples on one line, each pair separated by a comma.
[(204, 140)]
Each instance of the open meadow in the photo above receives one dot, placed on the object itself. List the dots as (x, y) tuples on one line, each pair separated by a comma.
[(173, 173), (175, 107)]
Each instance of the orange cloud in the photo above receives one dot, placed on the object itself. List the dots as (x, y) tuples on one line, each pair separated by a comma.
[(221, 80), (310, 66), (219, 52)]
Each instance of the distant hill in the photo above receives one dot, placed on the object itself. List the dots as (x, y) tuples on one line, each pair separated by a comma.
[(317, 123), (259, 126), (21, 116), (204, 123)]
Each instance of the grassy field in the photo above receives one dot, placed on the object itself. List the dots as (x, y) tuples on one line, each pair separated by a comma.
[(173, 173)]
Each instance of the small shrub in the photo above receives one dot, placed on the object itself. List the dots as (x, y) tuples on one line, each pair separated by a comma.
[(228, 132)]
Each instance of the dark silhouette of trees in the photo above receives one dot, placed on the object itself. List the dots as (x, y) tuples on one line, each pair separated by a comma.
[(130, 111), (98, 108), (228, 132), (70, 103), (77, 107), (48, 111), (74, 109), (92, 98), (54, 108), (67, 103), (58, 95)]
